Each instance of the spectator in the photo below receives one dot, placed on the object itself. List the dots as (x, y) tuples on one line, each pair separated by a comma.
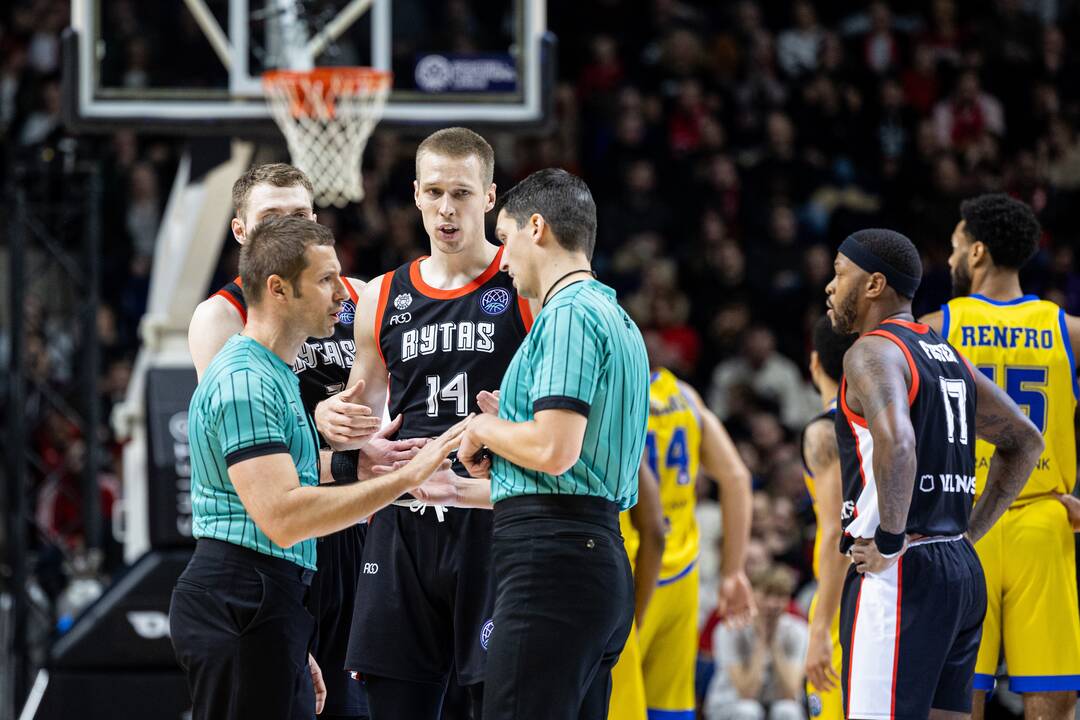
[(758, 669), (799, 47), (963, 118)]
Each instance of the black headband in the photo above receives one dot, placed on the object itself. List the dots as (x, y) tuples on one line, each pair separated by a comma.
[(865, 258)]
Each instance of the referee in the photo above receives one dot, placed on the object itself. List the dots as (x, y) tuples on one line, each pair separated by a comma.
[(567, 443), (238, 620)]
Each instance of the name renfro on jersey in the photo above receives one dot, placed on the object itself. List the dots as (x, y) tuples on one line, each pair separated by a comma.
[(464, 336)]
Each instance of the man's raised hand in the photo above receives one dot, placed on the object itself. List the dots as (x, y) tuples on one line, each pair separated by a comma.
[(343, 421), (379, 452)]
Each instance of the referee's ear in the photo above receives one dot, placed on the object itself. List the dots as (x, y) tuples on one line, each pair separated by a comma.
[(538, 226)]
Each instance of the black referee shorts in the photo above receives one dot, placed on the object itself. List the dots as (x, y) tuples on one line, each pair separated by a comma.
[(241, 633), (564, 604), (333, 594)]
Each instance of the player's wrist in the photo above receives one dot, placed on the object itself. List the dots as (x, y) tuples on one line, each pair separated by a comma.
[(889, 545)]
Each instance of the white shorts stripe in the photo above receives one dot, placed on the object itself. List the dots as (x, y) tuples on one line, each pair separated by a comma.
[(874, 646)]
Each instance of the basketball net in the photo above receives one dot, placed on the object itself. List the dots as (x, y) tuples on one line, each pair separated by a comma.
[(327, 115)]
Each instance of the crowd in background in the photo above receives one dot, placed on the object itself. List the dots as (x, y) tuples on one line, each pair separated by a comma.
[(730, 148)]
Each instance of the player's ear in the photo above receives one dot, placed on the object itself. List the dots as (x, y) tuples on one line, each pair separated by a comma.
[(416, 193), (875, 285), (490, 204), (238, 230), (978, 253), (815, 363)]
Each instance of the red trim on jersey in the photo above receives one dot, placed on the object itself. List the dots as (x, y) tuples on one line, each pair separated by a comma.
[(436, 294), (920, 328), (352, 291), (851, 659), (384, 294), (896, 647), (854, 420), (235, 303), (914, 389), (526, 313), (851, 415)]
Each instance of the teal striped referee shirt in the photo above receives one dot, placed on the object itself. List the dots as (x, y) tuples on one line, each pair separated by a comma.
[(247, 405), (584, 354)]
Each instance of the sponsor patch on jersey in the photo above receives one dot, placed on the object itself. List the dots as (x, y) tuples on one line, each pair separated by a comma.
[(495, 301), (485, 633), (347, 314), (813, 700), (403, 301)]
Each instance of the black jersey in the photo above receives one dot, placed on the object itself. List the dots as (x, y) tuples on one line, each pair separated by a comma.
[(942, 400), (442, 347), (323, 364)]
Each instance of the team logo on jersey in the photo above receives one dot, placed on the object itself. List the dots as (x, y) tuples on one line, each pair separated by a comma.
[(814, 701), (400, 318), (485, 633), (347, 314), (495, 301), (403, 301)]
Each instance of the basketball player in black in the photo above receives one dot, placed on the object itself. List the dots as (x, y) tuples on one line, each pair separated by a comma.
[(323, 367), (443, 328), (911, 407)]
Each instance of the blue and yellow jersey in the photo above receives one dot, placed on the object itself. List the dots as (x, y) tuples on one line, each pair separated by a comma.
[(673, 452), (1023, 346), (808, 478)]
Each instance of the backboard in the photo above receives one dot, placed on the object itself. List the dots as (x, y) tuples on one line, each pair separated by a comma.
[(194, 66)]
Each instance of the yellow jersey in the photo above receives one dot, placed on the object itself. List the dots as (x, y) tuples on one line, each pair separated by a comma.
[(673, 452), (1023, 346), (808, 478)]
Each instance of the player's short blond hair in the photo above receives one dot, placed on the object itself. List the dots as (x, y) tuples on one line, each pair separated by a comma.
[(459, 142), (276, 174)]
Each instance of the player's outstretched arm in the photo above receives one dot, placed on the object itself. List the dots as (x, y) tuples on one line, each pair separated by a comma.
[(647, 518), (878, 378), (1017, 447), (724, 465), (347, 420), (214, 321), (823, 460), (287, 512)]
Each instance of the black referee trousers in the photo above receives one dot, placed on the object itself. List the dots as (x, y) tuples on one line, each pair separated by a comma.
[(241, 633), (564, 605)]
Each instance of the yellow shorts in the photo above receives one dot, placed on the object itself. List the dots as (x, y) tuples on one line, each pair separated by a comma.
[(1029, 559), (828, 705), (669, 643), (627, 685)]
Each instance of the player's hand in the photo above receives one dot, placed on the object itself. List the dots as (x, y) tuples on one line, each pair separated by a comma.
[(379, 454), (432, 456), (474, 456), (819, 667), (736, 601), (442, 488), (318, 682), (343, 421), (867, 559), (488, 402), (1072, 506)]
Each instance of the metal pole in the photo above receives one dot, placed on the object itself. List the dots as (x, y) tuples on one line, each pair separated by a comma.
[(16, 436), (91, 361)]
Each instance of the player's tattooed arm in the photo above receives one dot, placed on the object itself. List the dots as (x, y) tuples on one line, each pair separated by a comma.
[(877, 388), (1017, 447)]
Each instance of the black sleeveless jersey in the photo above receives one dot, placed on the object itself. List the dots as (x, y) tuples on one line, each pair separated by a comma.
[(323, 364), (942, 400), (442, 347)]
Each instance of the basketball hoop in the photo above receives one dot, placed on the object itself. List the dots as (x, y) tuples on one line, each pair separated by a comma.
[(327, 115)]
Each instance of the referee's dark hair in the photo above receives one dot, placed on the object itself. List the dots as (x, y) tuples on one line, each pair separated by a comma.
[(892, 247), (565, 203), (1006, 226), (830, 347), (276, 247)]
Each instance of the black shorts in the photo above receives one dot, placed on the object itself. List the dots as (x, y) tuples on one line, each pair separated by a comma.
[(333, 593), (910, 635), (424, 596), (241, 633)]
